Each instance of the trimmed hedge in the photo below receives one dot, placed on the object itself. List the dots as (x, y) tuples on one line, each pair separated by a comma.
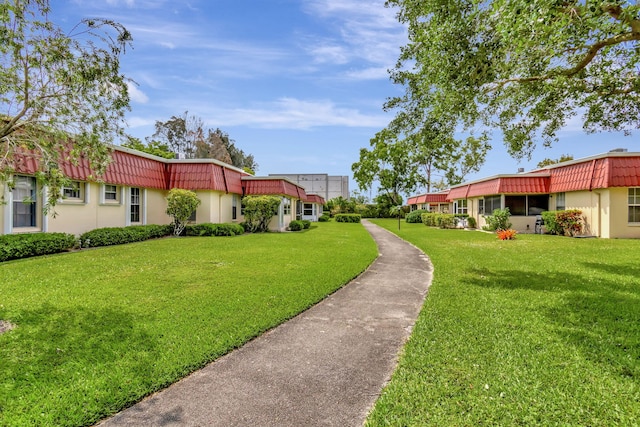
[(348, 218), (306, 224), (210, 229), (120, 235), (296, 225), (439, 220), (415, 217), (16, 246), (563, 223), (324, 218)]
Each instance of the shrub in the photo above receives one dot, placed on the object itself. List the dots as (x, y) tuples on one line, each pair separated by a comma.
[(324, 218), (570, 222), (429, 219), (471, 222), (258, 211), (119, 235), (499, 220), (348, 218), (296, 225), (368, 211), (209, 229), (306, 224), (15, 246), (415, 217), (180, 205), (508, 234), (550, 224), (445, 220)]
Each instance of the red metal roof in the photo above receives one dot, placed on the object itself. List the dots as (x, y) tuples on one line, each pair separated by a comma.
[(272, 186), (197, 176), (412, 200), (428, 198), (314, 198), (233, 180), (134, 171), (458, 193)]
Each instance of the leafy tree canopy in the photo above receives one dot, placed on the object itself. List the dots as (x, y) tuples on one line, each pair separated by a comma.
[(155, 148), (525, 67), (180, 206), (549, 162), (187, 136), (58, 87)]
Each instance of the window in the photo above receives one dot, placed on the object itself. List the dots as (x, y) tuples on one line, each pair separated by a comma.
[(234, 207), (492, 203), (192, 217), (481, 206), (461, 206), (527, 205), (111, 194), (135, 205), (308, 209), (560, 202), (286, 206), (517, 205), (634, 205), (72, 191), (24, 202)]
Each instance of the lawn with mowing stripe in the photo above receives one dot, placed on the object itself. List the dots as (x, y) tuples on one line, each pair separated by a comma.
[(99, 329), (541, 330)]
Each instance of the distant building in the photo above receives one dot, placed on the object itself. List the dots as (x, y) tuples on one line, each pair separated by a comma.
[(324, 185)]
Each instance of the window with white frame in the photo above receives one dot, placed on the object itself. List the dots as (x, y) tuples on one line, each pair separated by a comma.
[(286, 206), (24, 201), (73, 192), (560, 202), (481, 206), (135, 206), (234, 207), (308, 209), (492, 203), (111, 194), (461, 206), (634, 205)]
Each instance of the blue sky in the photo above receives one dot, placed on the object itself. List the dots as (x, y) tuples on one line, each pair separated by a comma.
[(299, 84)]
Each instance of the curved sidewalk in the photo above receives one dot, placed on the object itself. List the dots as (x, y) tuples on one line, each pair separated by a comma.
[(326, 366)]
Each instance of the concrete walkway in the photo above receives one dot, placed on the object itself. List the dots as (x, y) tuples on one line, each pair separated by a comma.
[(325, 367)]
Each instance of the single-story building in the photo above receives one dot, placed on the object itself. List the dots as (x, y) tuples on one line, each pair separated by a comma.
[(605, 187), (132, 192), (432, 202)]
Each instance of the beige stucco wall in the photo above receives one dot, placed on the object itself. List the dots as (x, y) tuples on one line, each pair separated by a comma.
[(618, 220), (588, 202), (217, 207), (157, 207)]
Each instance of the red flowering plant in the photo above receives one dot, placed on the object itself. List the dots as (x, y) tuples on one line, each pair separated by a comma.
[(508, 234)]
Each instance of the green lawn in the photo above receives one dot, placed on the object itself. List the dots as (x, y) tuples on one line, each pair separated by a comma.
[(542, 330), (97, 330)]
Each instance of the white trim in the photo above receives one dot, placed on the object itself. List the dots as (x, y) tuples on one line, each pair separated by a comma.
[(143, 200), (8, 211), (45, 218)]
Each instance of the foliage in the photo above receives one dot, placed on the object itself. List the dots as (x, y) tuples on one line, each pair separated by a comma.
[(306, 224), (324, 218), (525, 67), (550, 224), (258, 211), (180, 206), (508, 234), (386, 203), (62, 96), (209, 229), (15, 246), (348, 218), (570, 222), (296, 225), (549, 162), (97, 331), (368, 211), (155, 148), (415, 216), (563, 223), (535, 331), (498, 220), (471, 222), (187, 135), (340, 205), (108, 236), (441, 220)]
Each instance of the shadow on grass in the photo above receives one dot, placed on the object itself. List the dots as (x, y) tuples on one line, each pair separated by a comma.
[(73, 366), (598, 317)]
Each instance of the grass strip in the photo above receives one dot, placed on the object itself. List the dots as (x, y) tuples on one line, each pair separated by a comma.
[(97, 330), (541, 330)]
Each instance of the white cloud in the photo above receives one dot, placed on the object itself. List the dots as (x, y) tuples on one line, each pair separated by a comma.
[(291, 113), (136, 94)]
